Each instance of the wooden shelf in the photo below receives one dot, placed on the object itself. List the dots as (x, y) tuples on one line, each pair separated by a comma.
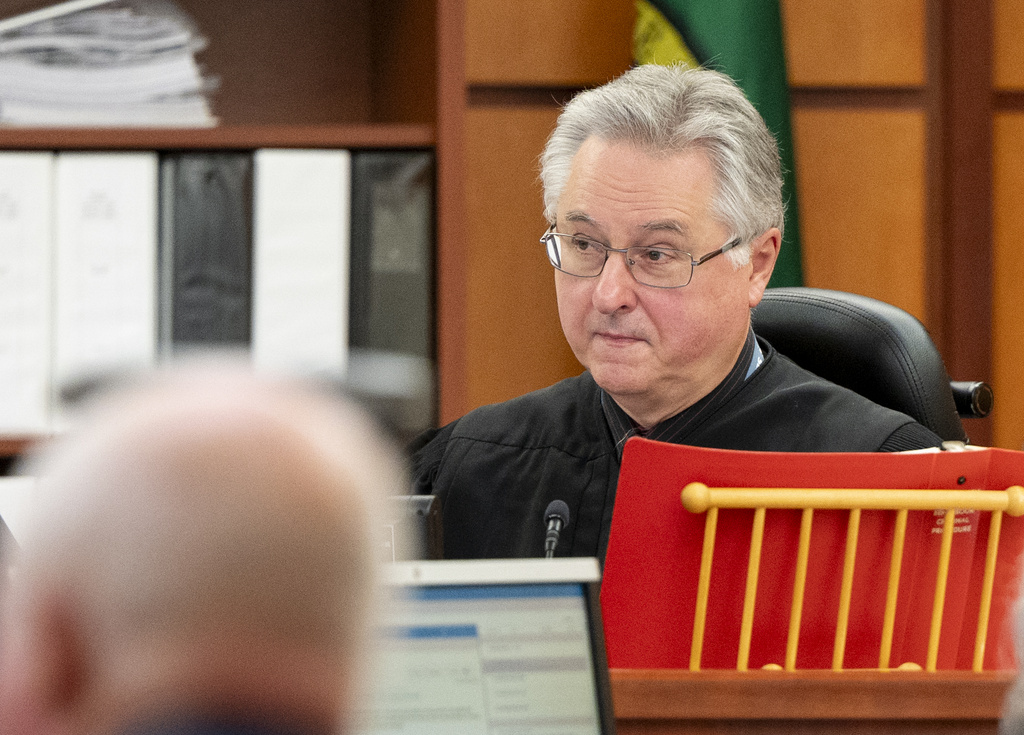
[(667, 701), (356, 135), (12, 446), (353, 74)]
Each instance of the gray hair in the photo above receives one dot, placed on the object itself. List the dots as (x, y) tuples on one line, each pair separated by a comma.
[(669, 109)]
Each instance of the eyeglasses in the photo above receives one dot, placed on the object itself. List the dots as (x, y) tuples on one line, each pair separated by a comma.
[(650, 266)]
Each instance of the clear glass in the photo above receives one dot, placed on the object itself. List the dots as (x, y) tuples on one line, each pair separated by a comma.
[(658, 267)]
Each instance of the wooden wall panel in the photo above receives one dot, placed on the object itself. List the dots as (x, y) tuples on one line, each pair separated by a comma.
[(861, 179), (401, 86), (554, 43), (515, 341), (287, 62), (1008, 44), (1008, 282), (869, 43)]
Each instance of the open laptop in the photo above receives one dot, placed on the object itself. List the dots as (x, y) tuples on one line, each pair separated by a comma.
[(492, 646)]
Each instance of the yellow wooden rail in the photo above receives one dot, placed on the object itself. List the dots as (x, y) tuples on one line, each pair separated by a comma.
[(699, 498)]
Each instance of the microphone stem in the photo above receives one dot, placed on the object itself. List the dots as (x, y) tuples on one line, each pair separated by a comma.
[(551, 539)]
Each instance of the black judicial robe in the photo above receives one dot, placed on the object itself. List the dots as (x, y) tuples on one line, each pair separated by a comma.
[(496, 469)]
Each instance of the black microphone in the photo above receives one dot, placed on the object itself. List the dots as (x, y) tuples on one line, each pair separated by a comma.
[(556, 517)]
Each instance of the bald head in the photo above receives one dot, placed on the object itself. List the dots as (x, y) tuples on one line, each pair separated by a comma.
[(204, 544)]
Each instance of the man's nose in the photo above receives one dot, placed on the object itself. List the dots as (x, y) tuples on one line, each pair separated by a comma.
[(616, 287)]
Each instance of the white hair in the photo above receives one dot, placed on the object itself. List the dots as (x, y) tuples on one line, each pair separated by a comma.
[(669, 109), (206, 499)]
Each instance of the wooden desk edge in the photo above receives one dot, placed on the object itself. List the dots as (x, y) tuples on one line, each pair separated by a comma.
[(652, 694)]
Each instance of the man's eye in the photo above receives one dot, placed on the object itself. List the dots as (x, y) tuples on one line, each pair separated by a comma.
[(655, 255), (582, 245)]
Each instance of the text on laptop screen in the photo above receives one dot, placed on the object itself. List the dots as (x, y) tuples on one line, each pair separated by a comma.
[(493, 658)]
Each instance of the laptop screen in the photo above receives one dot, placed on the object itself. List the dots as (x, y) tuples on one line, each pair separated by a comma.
[(492, 647)]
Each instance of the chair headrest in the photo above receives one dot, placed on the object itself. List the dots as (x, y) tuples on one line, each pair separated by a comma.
[(866, 345)]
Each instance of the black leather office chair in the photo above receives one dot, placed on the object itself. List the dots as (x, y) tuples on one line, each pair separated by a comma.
[(873, 348)]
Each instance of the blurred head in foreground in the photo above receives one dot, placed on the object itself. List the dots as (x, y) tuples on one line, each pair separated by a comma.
[(202, 558), (1012, 720)]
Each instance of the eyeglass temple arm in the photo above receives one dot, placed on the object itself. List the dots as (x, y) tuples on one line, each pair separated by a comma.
[(725, 248)]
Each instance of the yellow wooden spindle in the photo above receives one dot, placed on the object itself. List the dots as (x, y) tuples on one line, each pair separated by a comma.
[(939, 602), (846, 591), (703, 587), (899, 536), (803, 553), (994, 529), (753, 567)]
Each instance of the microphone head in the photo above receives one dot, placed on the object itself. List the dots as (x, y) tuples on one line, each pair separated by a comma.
[(557, 509)]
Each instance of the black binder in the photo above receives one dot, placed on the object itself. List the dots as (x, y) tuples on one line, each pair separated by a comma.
[(205, 287), (391, 295), (391, 292)]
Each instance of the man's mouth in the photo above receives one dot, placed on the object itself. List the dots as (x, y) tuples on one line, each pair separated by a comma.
[(618, 337)]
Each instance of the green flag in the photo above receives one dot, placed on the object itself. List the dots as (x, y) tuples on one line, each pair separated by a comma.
[(741, 38)]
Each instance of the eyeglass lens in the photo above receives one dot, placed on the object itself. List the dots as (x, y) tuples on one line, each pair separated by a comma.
[(660, 267)]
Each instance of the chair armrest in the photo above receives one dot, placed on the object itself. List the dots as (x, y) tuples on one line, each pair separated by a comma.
[(973, 398)]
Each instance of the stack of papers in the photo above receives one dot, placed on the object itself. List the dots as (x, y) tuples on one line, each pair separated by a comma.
[(108, 63)]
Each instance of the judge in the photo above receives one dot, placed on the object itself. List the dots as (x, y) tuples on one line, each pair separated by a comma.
[(663, 191)]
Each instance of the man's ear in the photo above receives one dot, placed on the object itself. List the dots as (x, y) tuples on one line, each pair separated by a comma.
[(43, 672), (764, 251), (61, 658)]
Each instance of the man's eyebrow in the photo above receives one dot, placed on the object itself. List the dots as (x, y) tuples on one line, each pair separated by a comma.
[(667, 225), (577, 216)]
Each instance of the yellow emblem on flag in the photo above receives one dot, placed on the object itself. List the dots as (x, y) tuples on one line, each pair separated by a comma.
[(656, 41)]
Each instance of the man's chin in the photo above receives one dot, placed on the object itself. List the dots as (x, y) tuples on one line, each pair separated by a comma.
[(618, 380)]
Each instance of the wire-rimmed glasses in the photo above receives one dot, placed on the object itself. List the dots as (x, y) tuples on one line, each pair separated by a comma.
[(651, 266)]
